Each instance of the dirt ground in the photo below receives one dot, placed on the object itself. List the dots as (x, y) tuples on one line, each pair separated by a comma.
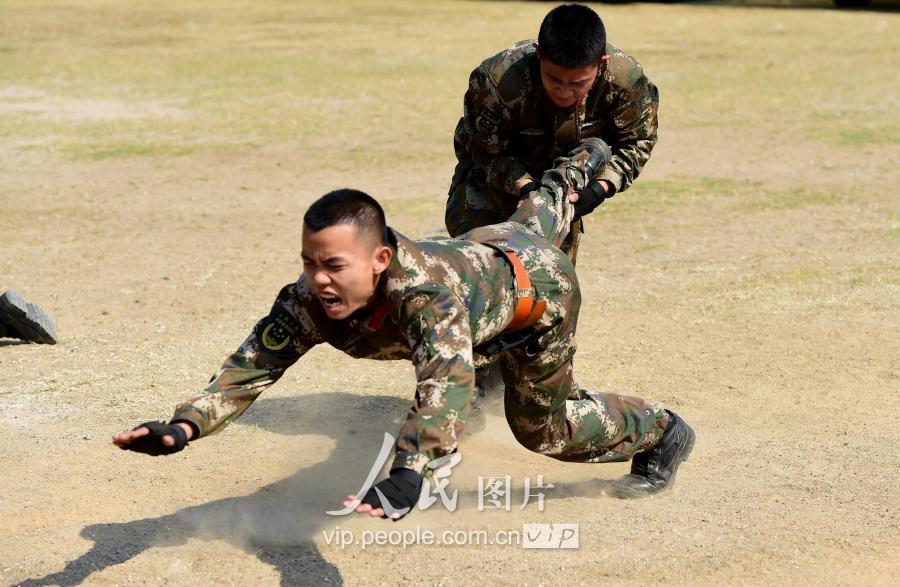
[(155, 161)]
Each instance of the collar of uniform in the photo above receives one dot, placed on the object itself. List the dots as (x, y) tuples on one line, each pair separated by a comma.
[(396, 241), (373, 315), (363, 314)]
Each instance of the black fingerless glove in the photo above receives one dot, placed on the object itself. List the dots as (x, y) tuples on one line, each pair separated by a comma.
[(592, 196), (528, 188), (152, 444), (401, 490)]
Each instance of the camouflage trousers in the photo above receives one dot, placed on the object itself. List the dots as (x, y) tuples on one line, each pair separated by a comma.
[(550, 415), (546, 410), (472, 203)]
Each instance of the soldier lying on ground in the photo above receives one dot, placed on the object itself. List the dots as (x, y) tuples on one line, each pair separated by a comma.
[(534, 102), (440, 302)]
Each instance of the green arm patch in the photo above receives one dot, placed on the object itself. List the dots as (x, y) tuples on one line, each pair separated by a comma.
[(276, 331)]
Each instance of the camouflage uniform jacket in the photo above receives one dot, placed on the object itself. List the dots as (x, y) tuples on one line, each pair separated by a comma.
[(438, 299), (511, 128)]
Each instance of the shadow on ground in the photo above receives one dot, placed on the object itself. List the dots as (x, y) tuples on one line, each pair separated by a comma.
[(278, 523)]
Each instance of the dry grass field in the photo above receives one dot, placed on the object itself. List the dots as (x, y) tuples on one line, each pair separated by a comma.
[(155, 162)]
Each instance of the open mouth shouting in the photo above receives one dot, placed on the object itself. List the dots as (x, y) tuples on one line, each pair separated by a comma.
[(330, 302)]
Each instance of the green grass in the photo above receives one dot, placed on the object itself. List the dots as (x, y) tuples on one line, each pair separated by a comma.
[(663, 194), (387, 78), (378, 86), (791, 199), (813, 282), (854, 126), (647, 194), (134, 150), (879, 136)]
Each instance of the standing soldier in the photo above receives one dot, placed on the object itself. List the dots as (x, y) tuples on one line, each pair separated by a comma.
[(534, 102), (501, 290)]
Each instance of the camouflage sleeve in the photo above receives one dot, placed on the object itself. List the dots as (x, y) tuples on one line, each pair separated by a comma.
[(275, 343), (489, 125), (437, 327), (634, 131)]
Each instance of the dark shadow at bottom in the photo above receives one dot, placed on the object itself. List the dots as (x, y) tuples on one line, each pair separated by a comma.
[(279, 522)]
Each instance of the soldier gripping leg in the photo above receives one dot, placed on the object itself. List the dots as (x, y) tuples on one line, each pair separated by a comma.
[(473, 203), (537, 100), (550, 211)]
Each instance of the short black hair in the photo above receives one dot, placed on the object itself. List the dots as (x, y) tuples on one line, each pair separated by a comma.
[(347, 206), (572, 35)]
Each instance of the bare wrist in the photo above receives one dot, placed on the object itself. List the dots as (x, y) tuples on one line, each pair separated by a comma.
[(188, 429)]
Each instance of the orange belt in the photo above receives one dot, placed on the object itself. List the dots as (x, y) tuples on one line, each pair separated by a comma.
[(527, 311)]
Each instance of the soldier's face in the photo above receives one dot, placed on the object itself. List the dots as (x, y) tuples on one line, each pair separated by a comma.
[(567, 85), (342, 267)]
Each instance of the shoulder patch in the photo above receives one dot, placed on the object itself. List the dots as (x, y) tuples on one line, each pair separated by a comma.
[(487, 121), (276, 331)]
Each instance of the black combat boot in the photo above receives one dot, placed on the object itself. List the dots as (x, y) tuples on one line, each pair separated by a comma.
[(653, 470), (19, 319)]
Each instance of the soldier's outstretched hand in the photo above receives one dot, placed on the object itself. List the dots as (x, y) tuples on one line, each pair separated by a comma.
[(365, 508), (155, 438), (400, 491)]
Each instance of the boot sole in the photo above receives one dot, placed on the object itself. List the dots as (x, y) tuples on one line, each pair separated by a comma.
[(30, 321)]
